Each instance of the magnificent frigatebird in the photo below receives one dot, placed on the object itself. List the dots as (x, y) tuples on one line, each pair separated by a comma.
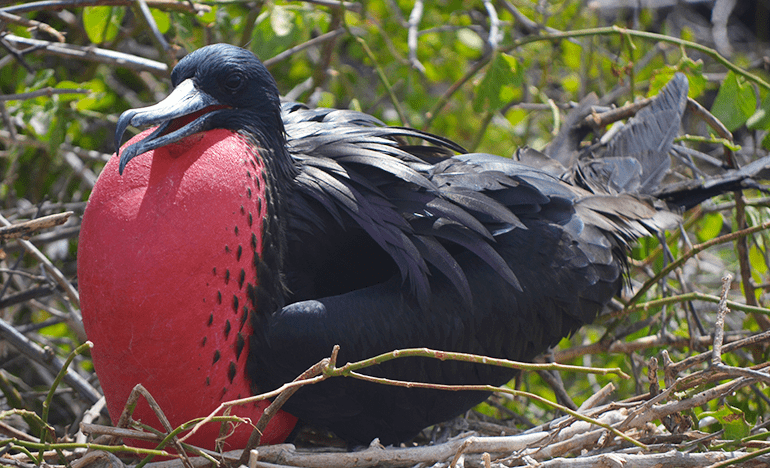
[(232, 247)]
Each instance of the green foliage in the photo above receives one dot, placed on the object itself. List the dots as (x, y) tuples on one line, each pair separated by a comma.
[(710, 226), (693, 71), (162, 20), (499, 84), (102, 23), (735, 102), (732, 420), (761, 120)]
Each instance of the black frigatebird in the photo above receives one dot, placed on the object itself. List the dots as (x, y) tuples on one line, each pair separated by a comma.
[(232, 247)]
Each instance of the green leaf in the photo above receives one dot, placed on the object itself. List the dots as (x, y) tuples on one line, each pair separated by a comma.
[(572, 54), (693, 70), (282, 20), (571, 83), (66, 84), (56, 133), (327, 99), (761, 118), (710, 226), (735, 102), (757, 260), (162, 21), (98, 99), (210, 16), (470, 39), (102, 23), (733, 421), (516, 116), (497, 87)]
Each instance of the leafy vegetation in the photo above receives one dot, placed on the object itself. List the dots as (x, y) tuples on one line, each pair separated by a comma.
[(493, 76)]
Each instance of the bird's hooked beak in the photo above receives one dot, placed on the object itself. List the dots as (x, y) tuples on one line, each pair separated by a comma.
[(184, 100)]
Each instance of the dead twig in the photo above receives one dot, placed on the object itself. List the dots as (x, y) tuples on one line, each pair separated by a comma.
[(170, 5), (600, 120), (276, 405), (49, 267), (31, 24), (719, 326), (91, 54), (48, 359), (133, 398), (26, 228)]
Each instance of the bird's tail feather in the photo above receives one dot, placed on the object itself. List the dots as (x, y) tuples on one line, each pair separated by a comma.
[(636, 157)]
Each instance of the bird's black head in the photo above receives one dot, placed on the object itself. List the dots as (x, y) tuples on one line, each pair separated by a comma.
[(217, 86)]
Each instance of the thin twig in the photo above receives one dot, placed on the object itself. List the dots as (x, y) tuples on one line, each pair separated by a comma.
[(118, 432), (25, 228), (71, 292), (47, 91), (163, 45), (133, 398), (444, 99), (696, 250), (492, 388), (91, 54), (703, 357), (414, 22), (599, 120), (51, 391), (276, 405), (49, 360), (349, 370), (57, 5), (384, 79), (617, 30), (719, 325), (494, 25), (32, 24), (312, 42)]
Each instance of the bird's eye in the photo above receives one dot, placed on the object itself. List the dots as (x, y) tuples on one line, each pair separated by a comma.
[(233, 82)]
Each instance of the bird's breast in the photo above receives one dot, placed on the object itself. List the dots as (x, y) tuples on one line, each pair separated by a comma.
[(167, 255)]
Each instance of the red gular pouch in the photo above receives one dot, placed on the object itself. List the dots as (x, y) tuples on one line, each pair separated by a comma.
[(167, 253)]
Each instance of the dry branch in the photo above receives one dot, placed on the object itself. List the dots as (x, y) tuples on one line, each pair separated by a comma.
[(92, 54), (26, 228)]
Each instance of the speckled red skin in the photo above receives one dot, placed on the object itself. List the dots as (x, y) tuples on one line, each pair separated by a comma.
[(161, 286)]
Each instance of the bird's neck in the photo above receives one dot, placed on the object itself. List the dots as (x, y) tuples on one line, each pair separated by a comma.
[(275, 174)]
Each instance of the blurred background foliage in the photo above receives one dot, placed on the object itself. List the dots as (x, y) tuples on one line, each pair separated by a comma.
[(492, 75)]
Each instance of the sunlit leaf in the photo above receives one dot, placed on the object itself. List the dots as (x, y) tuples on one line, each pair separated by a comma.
[(503, 74), (757, 259), (733, 421), (761, 118), (735, 102), (162, 20), (97, 99), (102, 23), (710, 226), (66, 84), (571, 83), (470, 39), (209, 16), (572, 54), (693, 71), (282, 20)]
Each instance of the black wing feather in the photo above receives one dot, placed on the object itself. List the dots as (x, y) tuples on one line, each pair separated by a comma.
[(501, 259)]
